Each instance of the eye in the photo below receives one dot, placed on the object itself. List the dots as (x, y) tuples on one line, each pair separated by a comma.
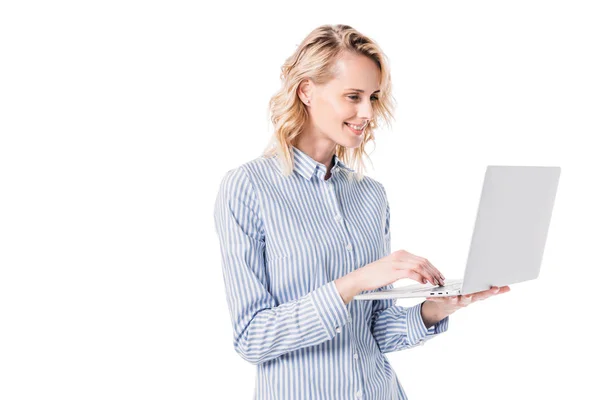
[(355, 97)]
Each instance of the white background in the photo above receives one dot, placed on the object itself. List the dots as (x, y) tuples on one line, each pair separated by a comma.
[(118, 120)]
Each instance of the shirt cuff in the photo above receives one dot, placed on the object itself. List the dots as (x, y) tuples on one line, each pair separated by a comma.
[(417, 332), (330, 308)]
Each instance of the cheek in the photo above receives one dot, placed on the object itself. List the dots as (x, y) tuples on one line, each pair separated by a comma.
[(340, 112), (328, 114)]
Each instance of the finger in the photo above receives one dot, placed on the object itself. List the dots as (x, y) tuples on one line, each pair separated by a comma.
[(423, 267), (488, 292), (465, 300), (414, 275), (440, 299), (437, 273), (499, 289), (479, 297), (494, 290), (434, 276), (444, 299), (483, 294)]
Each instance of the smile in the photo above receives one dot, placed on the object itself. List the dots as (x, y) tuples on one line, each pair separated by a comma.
[(356, 130)]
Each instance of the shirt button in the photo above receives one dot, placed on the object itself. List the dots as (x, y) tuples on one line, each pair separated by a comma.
[(338, 217), (338, 329), (358, 394), (356, 356), (349, 247)]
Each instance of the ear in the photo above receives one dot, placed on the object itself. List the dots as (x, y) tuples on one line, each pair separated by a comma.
[(305, 90)]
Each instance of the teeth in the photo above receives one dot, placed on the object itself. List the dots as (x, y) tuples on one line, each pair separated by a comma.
[(356, 127)]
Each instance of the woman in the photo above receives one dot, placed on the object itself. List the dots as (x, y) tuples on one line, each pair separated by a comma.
[(301, 233)]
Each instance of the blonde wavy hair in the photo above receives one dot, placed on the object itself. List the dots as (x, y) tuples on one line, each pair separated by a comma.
[(315, 58)]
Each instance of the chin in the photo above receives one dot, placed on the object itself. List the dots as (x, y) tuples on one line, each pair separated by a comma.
[(350, 143), (353, 140)]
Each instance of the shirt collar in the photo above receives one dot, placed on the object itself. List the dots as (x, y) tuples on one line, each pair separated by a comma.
[(307, 166)]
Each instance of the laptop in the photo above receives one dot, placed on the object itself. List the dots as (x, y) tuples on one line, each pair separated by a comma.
[(509, 236)]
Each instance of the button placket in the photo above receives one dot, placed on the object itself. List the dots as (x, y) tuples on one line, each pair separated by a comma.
[(330, 190), (358, 369), (335, 207), (332, 197)]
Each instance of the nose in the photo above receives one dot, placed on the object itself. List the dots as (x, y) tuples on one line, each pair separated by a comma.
[(366, 111)]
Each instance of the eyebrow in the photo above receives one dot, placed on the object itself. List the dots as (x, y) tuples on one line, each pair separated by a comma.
[(362, 91)]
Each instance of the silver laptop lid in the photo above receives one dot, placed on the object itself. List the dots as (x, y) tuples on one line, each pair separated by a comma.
[(511, 227)]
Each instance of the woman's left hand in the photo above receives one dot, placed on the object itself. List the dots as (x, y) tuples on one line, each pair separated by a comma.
[(448, 305)]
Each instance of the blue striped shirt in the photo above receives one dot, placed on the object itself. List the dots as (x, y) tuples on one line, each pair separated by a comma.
[(284, 241)]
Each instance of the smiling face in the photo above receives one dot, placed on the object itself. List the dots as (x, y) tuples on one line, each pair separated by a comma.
[(346, 99)]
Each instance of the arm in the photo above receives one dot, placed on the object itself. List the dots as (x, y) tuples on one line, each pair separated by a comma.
[(398, 328), (430, 314), (262, 329)]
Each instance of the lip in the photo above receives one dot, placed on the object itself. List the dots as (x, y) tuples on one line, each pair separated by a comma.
[(364, 125), (353, 131)]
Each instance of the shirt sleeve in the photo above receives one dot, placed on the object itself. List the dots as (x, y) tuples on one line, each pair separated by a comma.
[(262, 329), (394, 327)]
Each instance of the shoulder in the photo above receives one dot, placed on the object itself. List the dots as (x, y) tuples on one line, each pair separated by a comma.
[(374, 186), (258, 166), (243, 176)]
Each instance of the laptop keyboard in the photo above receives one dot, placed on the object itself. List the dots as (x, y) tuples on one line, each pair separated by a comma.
[(451, 286)]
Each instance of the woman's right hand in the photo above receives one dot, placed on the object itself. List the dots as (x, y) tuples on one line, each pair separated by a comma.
[(398, 265)]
